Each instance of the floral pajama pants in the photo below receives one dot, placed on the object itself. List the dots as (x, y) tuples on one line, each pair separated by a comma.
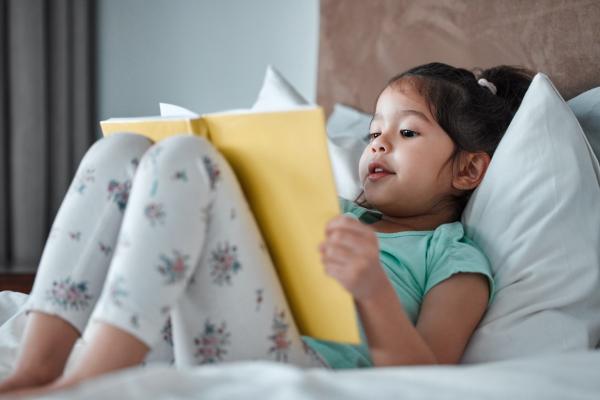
[(158, 240)]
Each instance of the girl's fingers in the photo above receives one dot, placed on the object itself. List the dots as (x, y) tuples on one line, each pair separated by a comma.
[(339, 254), (346, 223), (350, 243), (360, 233), (334, 269), (352, 239)]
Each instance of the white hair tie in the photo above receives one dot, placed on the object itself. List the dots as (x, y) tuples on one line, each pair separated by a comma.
[(484, 82)]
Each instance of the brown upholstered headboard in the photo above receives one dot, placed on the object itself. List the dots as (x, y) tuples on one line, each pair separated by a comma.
[(363, 43)]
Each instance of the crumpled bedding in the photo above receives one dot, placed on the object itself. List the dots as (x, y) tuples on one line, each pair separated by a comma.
[(558, 376)]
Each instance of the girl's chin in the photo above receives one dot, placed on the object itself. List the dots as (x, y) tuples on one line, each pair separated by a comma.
[(371, 197)]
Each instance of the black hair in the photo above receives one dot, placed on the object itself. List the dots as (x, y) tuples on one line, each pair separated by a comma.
[(473, 116)]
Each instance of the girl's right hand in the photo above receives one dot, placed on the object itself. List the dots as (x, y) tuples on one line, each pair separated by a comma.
[(350, 254)]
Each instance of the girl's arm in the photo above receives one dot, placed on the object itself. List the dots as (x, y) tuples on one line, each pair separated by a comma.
[(449, 313), (448, 316)]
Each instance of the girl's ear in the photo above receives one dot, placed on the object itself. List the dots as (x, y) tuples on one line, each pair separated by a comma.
[(470, 169)]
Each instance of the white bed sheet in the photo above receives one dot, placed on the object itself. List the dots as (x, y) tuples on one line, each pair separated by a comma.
[(564, 376), (558, 376)]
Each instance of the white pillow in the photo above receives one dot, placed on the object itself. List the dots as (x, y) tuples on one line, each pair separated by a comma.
[(347, 130), (586, 108), (536, 216), (277, 93)]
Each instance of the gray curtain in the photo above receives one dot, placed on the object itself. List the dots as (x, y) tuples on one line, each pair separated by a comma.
[(47, 117)]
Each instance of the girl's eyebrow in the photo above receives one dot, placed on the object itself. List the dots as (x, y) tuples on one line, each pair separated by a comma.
[(416, 113)]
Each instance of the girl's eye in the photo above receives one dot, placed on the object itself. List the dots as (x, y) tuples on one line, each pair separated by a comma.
[(408, 133), (373, 135), (403, 132)]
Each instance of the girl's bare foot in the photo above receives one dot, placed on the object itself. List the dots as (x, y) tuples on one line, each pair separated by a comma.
[(18, 381), (109, 349), (57, 385), (43, 353)]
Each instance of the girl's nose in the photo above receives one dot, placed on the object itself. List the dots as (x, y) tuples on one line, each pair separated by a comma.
[(379, 144)]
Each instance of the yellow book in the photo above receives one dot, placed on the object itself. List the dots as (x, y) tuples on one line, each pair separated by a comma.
[(282, 163)]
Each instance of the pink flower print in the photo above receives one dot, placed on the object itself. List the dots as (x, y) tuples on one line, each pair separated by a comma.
[(224, 264), (213, 171), (69, 295), (180, 175), (167, 332), (280, 344), (105, 249), (259, 298), (210, 345), (75, 236), (173, 268), (117, 291), (155, 213), (84, 178), (119, 192)]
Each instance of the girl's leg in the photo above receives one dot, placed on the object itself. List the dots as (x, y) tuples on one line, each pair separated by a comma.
[(75, 258), (159, 245), (189, 249), (233, 307), (217, 280), (43, 352)]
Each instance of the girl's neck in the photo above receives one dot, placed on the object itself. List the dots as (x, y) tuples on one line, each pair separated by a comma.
[(429, 222)]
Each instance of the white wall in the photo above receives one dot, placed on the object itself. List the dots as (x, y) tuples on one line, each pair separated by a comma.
[(206, 55)]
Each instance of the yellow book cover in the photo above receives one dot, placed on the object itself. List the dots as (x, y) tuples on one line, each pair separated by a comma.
[(282, 163)]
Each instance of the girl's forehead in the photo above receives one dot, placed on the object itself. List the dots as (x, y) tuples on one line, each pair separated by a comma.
[(399, 98)]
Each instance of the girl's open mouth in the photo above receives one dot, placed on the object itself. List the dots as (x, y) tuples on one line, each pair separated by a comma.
[(375, 176), (378, 170)]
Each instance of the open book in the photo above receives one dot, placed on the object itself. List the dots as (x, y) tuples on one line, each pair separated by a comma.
[(282, 163)]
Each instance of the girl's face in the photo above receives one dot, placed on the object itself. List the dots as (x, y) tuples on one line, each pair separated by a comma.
[(414, 153)]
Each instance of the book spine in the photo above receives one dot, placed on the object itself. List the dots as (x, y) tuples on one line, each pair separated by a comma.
[(199, 127)]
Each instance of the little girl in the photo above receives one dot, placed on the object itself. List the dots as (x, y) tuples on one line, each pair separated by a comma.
[(155, 255)]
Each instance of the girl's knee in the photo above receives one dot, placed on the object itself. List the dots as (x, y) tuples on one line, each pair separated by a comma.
[(179, 145), (117, 148), (182, 155), (178, 149)]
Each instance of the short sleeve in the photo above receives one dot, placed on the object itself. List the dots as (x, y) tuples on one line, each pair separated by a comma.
[(451, 252), (352, 209), (345, 204)]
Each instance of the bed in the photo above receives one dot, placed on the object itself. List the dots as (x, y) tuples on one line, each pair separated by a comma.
[(548, 352)]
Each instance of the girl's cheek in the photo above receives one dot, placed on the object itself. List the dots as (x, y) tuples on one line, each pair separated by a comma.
[(362, 168)]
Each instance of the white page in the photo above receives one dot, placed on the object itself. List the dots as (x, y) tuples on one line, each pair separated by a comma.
[(251, 111), (142, 119), (172, 110)]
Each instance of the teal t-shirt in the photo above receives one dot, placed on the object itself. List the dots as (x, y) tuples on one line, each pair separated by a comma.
[(414, 261)]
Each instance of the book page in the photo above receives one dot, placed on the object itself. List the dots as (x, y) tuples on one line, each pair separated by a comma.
[(172, 110)]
